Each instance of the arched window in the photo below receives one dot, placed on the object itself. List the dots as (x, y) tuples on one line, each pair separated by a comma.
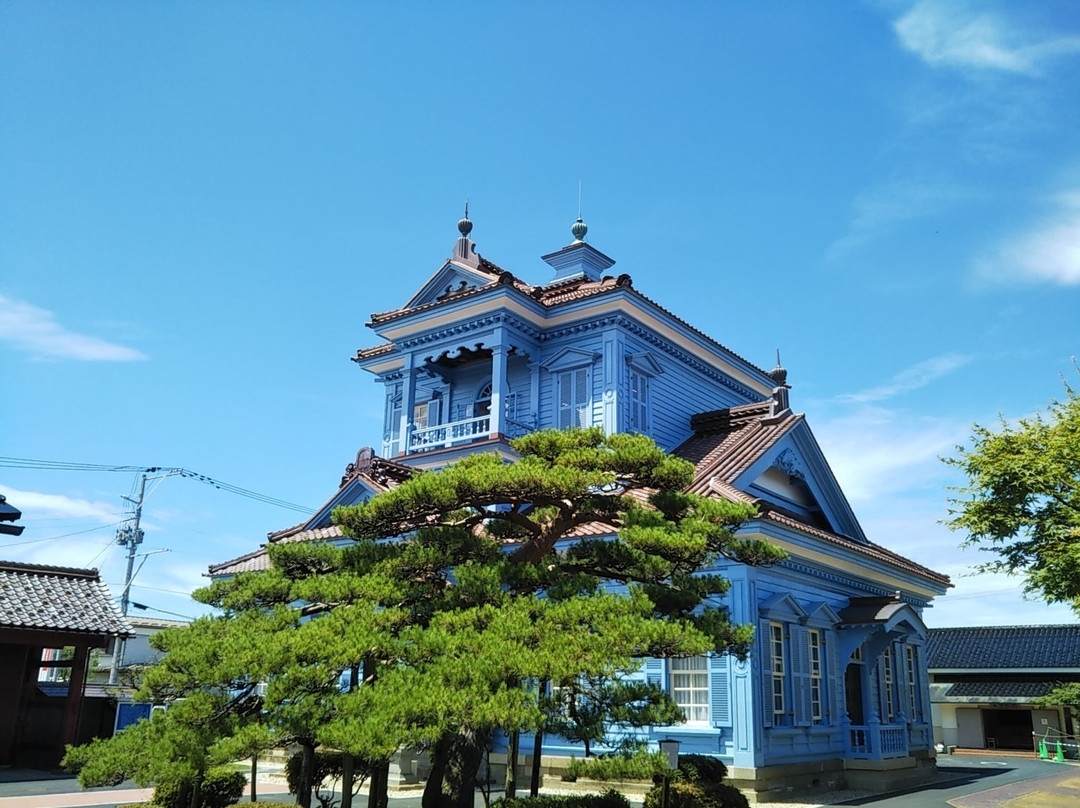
[(482, 403)]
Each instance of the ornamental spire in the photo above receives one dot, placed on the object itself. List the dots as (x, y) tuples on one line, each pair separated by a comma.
[(464, 248)]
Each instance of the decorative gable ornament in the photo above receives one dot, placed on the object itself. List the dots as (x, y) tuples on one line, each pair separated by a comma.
[(570, 358)]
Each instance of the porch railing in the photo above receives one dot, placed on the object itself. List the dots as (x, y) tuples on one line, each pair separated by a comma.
[(444, 435), (878, 741)]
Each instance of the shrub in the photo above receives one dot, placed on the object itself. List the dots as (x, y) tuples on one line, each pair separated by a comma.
[(697, 784), (220, 787), (609, 799), (638, 766), (262, 804), (702, 769)]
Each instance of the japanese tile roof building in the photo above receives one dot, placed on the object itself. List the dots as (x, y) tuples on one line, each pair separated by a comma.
[(836, 687), (44, 609), (57, 599), (984, 680)]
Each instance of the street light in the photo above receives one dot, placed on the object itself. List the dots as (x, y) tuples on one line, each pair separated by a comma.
[(669, 748)]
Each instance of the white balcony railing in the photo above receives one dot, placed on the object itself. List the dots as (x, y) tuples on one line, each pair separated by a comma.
[(445, 435), (878, 741)]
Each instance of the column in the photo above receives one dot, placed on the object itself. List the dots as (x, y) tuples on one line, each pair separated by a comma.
[(499, 388), (408, 401)]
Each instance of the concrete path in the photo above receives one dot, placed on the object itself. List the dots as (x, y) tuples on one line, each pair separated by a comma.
[(966, 783)]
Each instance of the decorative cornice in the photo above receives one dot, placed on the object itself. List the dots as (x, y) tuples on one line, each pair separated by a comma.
[(635, 328), (472, 326), (825, 575)]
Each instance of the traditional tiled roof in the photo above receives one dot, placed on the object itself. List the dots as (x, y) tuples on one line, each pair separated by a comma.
[(989, 647), (35, 597), (999, 690), (727, 442), (549, 296)]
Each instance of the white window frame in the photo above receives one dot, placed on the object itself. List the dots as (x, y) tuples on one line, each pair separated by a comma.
[(779, 670), (912, 682), (639, 401), (575, 413), (888, 679), (814, 640), (688, 685)]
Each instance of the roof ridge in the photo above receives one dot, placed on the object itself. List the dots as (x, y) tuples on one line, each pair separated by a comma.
[(49, 569)]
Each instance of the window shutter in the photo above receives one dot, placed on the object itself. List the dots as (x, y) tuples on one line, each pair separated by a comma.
[(836, 683), (654, 672), (719, 690), (800, 680), (765, 660), (581, 398)]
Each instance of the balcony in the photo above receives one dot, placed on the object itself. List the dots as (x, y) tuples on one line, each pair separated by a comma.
[(878, 741), (444, 436)]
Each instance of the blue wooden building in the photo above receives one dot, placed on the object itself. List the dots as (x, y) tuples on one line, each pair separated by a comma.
[(836, 687)]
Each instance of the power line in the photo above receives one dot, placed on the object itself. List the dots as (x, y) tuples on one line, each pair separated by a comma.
[(64, 536), (57, 465)]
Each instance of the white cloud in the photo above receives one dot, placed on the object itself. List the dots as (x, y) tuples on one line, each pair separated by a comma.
[(951, 35), (902, 199), (36, 331), (912, 378), (876, 452), (1049, 252), (38, 505)]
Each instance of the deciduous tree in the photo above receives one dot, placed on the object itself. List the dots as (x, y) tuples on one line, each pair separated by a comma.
[(1021, 502)]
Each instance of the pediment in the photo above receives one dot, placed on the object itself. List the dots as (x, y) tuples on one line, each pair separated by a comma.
[(794, 476), (569, 358), (821, 614), (782, 606), (645, 363), (352, 493), (452, 279)]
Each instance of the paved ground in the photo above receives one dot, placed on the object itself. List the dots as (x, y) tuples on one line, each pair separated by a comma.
[(968, 782)]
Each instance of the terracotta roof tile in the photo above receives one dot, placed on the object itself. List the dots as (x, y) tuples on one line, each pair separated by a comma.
[(550, 296), (727, 442), (45, 598)]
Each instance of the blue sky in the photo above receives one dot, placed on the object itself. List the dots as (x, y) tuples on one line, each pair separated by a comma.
[(201, 204)]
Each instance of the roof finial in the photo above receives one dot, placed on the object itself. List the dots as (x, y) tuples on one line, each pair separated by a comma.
[(778, 374), (579, 228), (464, 226)]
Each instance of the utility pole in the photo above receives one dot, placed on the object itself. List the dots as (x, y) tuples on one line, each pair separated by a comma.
[(130, 535)]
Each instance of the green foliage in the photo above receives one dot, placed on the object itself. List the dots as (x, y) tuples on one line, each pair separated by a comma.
[(701, 769), (1064, 694), (220, 787), (588, 709), (684, 794), (1022, 499), (640, 765), (608, 799), (697, 783), (328, 766), (450, 629)]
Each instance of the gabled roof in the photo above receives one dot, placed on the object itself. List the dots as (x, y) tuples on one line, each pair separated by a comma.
[(368, 472), (732, 447), (35, 597), (548, 296), (989, 647), (728, 443)]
